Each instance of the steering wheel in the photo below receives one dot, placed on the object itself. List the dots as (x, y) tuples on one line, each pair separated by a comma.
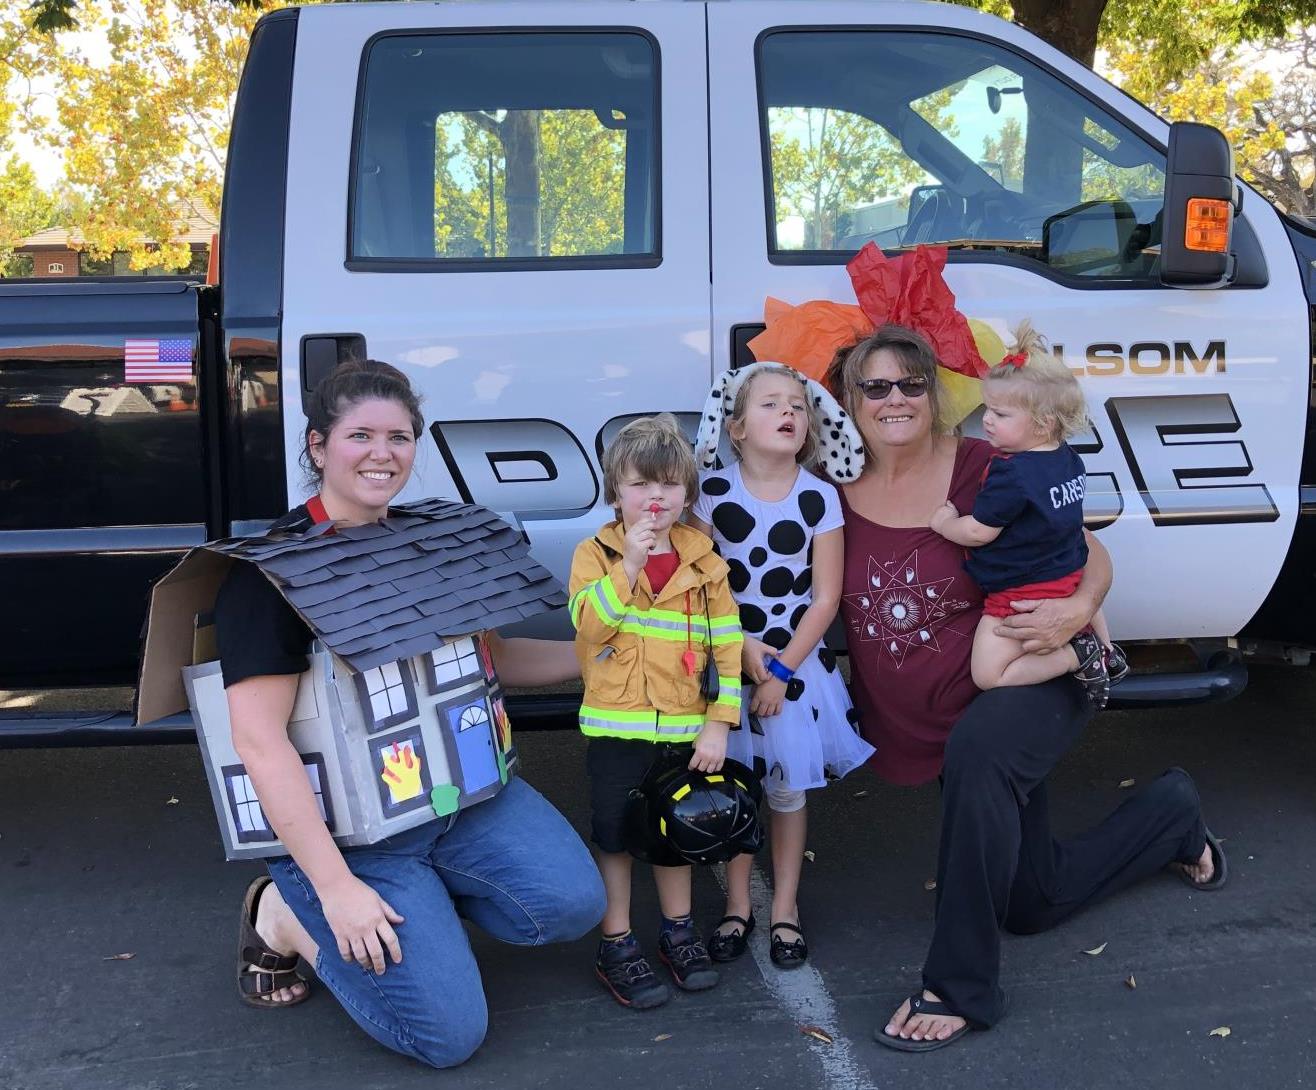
[(924, 220)]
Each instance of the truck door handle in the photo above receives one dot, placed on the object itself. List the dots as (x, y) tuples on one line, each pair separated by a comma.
[(741, 335), (322, 352)]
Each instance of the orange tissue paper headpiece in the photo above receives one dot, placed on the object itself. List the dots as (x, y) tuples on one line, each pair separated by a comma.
[(807, 336)]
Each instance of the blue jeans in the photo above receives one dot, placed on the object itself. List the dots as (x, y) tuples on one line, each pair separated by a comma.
[(511, 865)]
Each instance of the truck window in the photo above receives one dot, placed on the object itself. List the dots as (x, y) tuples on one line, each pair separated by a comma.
[(902, 138), (495, 148)]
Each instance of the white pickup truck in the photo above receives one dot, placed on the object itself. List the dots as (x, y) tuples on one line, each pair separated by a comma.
[(557, 215)]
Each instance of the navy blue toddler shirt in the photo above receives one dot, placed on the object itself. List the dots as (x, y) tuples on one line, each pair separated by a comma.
[(1037, 497)]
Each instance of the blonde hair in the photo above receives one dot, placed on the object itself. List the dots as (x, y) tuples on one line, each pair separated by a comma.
[(917, 360), (807, 455), (1034, 379), (655, 448)]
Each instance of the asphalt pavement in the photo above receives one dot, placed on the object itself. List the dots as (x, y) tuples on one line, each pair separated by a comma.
[(114, 851)]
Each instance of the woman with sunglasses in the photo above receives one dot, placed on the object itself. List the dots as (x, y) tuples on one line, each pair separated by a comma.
[(910, 613)]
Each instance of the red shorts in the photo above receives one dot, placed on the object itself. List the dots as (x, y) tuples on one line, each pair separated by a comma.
[(997, 604)]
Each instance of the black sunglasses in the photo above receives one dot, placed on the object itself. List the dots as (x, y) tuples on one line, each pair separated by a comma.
[(876, 389)]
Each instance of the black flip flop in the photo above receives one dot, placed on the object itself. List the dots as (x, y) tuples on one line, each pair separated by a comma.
[(1221, 875), (919, 1005)]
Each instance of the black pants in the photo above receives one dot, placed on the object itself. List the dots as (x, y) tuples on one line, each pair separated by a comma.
[(999, 866)]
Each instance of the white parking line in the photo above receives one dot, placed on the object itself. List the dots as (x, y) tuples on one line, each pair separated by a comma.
[(802, 994)]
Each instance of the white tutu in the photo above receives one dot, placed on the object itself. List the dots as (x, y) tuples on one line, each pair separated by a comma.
[(815, 737)]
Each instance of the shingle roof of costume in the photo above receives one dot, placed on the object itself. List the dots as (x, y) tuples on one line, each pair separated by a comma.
[(399, 587)]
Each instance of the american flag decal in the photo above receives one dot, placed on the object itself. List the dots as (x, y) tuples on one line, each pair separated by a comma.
[(150, 360)]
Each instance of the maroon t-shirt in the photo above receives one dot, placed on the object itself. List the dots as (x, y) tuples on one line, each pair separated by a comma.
[(910, 612)]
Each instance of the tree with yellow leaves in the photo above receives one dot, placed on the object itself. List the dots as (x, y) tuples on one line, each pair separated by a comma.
[(144, 132), (1263, 100)]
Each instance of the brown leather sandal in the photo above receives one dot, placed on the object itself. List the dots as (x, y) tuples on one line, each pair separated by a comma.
[(272, 971)]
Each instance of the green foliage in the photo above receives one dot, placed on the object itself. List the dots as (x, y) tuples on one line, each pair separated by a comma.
[(144, 134), (50, 16), (1190, 60), (1175, 36), (1007, 150), (25, 208), (573, 164), (1269, 119)]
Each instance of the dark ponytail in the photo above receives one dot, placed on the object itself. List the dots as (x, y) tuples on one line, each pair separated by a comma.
[(348, 384)]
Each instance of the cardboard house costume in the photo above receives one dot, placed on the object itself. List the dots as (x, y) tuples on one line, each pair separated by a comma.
[(400, 718)]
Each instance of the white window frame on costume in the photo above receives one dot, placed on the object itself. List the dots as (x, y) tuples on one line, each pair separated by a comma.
[(377, 682), (242, 799), (455, 663)]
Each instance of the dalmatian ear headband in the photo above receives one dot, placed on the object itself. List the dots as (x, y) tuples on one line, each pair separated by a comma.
[(841, 453)]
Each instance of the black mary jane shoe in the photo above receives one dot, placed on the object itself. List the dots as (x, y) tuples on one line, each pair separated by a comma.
[(784, 954), (729, 947)]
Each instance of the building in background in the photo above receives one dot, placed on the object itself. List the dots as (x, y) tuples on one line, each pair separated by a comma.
[(60, 252)]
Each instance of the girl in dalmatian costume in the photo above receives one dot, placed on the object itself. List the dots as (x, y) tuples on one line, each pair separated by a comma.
[(778, 527)]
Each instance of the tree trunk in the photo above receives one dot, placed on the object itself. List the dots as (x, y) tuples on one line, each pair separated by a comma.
[(1052, 155), (1069, 25), (520, 136)]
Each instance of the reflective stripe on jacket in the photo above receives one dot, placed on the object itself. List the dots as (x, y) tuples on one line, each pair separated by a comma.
[(630, 642)]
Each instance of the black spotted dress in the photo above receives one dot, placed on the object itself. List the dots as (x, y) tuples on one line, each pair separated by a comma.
[(769, 549)]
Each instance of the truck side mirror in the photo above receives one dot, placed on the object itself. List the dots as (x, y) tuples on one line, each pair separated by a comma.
[(1201, 200)]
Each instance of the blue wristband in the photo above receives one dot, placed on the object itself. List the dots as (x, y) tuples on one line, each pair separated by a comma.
[(778, 669)]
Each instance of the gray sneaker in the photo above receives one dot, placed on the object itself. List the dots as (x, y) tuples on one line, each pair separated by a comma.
[(684, 953), (623, 969)]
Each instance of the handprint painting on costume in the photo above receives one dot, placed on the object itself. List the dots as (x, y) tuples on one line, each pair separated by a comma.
[(402, 767), (402, 772)]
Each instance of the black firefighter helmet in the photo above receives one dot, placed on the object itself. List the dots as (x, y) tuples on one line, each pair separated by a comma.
[(677, 816)]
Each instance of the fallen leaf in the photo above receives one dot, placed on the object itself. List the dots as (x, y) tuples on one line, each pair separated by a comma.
[(930, 884), (860, 794), (1096, 950), (119, 957), (1127, 783), (809, 856), (172, 800), (663, 1037), (1219, 1031), (817, 1033), (1131, 983)]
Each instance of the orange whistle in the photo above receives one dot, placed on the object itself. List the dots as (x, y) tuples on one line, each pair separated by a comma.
[(688, 661)]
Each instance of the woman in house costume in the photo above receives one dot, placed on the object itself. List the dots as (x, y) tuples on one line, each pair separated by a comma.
[(382, 923)]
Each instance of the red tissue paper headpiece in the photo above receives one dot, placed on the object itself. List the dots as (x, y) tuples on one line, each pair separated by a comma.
[(909, 290)]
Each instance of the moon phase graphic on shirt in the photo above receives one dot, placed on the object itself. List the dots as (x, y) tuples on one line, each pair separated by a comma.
[(900, 609)]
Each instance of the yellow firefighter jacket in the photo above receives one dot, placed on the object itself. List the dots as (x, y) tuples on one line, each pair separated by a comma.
[(631, 643)]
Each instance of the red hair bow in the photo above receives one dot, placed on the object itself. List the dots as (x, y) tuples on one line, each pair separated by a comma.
[(1015, 359)]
